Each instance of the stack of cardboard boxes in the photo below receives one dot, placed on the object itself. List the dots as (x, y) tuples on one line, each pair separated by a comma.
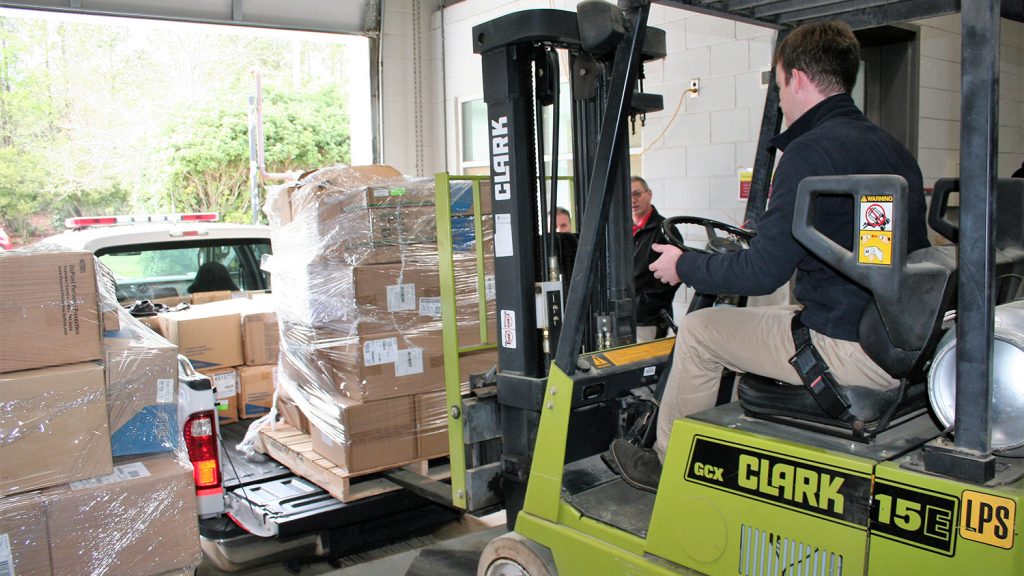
[(71, 400), (233, 341), (357, 287)]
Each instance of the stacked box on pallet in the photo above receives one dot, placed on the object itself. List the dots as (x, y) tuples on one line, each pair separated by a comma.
[(357, 286), (71, 391)]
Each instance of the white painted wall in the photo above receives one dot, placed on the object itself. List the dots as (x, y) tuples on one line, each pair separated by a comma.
[(939, 128), (411, 87)]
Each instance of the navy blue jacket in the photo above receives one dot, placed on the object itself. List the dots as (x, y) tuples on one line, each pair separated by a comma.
[(832, 138)]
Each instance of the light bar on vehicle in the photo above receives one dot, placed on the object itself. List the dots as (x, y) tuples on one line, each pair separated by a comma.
[(87, 221)]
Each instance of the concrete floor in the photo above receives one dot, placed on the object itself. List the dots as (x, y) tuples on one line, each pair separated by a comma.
[(451, 550)]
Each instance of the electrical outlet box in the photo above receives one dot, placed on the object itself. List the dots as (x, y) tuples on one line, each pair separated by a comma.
[(694, 87)]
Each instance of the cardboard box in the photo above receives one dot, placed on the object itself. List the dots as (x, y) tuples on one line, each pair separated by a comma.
[(366, 367), (369, 436), (261, 336), (49, 309), (291, 413), (23, 522), (142, 391), (431, 425), (225, 382), (217, 296), (208, 335), (53, 422), (256, 390), (141, 519)]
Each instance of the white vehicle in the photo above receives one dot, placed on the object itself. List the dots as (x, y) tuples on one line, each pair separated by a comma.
[(155, 257), (253, 511)]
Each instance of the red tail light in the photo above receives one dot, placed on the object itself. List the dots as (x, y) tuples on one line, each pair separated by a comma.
[(201, 442)]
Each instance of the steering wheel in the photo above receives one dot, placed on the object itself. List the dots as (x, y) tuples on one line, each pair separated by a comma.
[(735, 238)]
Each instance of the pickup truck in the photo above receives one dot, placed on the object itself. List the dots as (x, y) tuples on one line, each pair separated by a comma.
[(252, 510)]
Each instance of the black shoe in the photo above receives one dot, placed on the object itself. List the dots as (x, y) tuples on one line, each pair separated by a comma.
[(609, 461), (639, 467)]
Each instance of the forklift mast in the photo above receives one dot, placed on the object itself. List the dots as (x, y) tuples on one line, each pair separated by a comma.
[(535, 267)]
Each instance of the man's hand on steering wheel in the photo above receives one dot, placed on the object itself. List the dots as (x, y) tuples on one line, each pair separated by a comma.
[(664, 267)]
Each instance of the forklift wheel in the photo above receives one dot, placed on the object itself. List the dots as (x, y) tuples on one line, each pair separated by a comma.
[(514, 555)]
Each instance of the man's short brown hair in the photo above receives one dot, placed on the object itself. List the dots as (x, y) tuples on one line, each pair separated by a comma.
[(827, 52)]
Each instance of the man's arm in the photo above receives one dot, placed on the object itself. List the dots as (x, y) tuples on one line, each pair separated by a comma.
[(773, 254)]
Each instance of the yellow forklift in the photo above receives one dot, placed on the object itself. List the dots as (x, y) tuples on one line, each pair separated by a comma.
[(770, 484)]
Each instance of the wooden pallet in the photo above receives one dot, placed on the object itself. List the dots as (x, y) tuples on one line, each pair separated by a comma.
[(294, 449)]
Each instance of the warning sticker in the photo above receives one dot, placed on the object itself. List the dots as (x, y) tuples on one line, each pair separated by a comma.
[(508, 328), (401, 297), (637, 353), (988, 519), (874, 244)]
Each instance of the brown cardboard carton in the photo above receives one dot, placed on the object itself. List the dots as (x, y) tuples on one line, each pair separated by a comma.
[(23, 521), (256, 390), (53, 422), (209, 336), (291, 413), (368, 367), (142, 383), (216, 296), (261, 336), (431, 425), (225, 382), (141, 519), (369, 436), (48, 309)]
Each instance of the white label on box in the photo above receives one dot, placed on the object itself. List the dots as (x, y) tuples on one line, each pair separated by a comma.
[(380, 192), (503, 235), (649, 371), (6, 557), (409, 362), (430, 306), (383, 351), (226, 384), (489, 287), (508, 328), (121, 473), (401, 297), (325, 438), (165, 390)]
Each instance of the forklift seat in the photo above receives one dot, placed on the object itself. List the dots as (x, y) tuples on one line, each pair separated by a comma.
[(900, 326)]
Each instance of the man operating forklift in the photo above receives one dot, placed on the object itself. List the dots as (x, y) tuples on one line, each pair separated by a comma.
[(816, 67)]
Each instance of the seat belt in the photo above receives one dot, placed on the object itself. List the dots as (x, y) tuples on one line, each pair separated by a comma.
[(815, 375)]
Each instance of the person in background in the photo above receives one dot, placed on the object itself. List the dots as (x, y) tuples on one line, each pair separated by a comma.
[(650, 295), (563, 220), (815, 68), (212, 276)]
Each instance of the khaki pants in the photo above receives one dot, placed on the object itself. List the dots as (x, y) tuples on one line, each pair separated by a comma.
[(748, 340)]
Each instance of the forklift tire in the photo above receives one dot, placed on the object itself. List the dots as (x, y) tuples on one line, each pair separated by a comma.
[(514, 555)]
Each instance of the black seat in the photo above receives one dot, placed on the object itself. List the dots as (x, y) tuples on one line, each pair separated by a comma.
[(900, 326)]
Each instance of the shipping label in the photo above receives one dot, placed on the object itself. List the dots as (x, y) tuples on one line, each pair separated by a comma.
[(121, 473), (383, 351), (409, 362), (401, 297)]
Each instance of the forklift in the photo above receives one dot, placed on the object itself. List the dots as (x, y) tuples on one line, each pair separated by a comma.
[(771, 484)]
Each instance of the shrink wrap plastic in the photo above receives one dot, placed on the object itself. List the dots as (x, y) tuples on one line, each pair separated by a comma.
[(357, 291)]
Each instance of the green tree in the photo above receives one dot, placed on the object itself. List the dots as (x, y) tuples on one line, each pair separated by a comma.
[(22, 177), (209, 151)]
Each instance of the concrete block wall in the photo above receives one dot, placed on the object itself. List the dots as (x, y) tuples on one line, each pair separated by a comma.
[(694, 148), (939, 127), (412, 136)]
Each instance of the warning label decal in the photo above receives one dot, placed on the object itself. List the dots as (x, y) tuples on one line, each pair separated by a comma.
[(874, 242)]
